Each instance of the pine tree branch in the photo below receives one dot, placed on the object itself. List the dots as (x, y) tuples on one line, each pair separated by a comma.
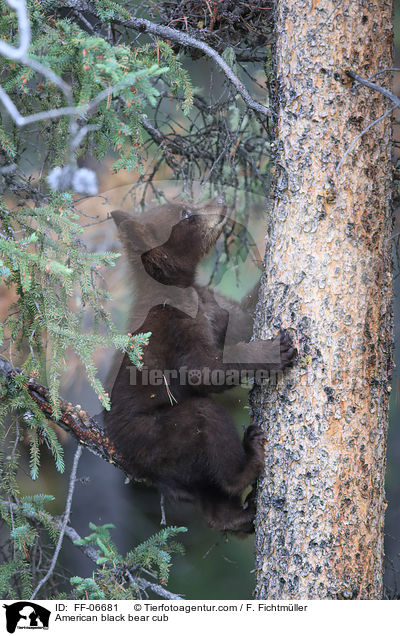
[(139, 24), (24, 30), (92, 554), (167, 33), (87, 431)]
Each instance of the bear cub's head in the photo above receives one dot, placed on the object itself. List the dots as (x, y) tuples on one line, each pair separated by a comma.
[(169, 241)]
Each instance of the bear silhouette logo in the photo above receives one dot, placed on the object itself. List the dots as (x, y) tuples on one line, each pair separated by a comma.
[(26, 615)]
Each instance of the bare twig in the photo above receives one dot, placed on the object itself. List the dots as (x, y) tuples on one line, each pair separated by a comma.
[(49, 74), (383, 71), (375, 87), (353, 143), (163, 521), (172, 144), (47, 114), (379, 89), (64, 523)]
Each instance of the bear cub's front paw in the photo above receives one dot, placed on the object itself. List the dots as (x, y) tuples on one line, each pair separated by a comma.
[(288, 352)]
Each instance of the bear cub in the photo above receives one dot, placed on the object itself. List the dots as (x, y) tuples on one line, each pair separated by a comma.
[(170, 431)]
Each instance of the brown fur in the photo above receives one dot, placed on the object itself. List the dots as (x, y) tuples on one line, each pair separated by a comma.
[(177, 437)]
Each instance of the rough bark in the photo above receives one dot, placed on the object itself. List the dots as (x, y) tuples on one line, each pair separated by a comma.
[(328, 279)]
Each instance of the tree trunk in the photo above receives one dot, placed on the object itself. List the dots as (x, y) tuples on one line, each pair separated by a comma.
[(327, 278)]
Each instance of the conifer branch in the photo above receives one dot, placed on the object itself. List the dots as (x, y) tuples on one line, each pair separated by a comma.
[(19, 54), (85, 429), (167, 33), (24, 29), (92, 554)]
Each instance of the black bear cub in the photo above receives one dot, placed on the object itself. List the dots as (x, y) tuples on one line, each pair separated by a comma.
[(162, 418)]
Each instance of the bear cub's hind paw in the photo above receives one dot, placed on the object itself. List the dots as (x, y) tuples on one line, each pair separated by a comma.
[(254, 438)]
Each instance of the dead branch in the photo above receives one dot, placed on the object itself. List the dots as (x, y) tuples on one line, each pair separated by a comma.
[(64, 522), (379, 89), (375, 87)]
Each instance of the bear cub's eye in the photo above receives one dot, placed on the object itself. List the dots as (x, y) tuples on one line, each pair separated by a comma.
[(187, 213)]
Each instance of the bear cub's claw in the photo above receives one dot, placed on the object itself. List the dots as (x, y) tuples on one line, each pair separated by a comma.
[(253, 438), (287, 350)]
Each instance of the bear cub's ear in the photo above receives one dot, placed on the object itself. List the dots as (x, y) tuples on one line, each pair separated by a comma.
[(132, 233)]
